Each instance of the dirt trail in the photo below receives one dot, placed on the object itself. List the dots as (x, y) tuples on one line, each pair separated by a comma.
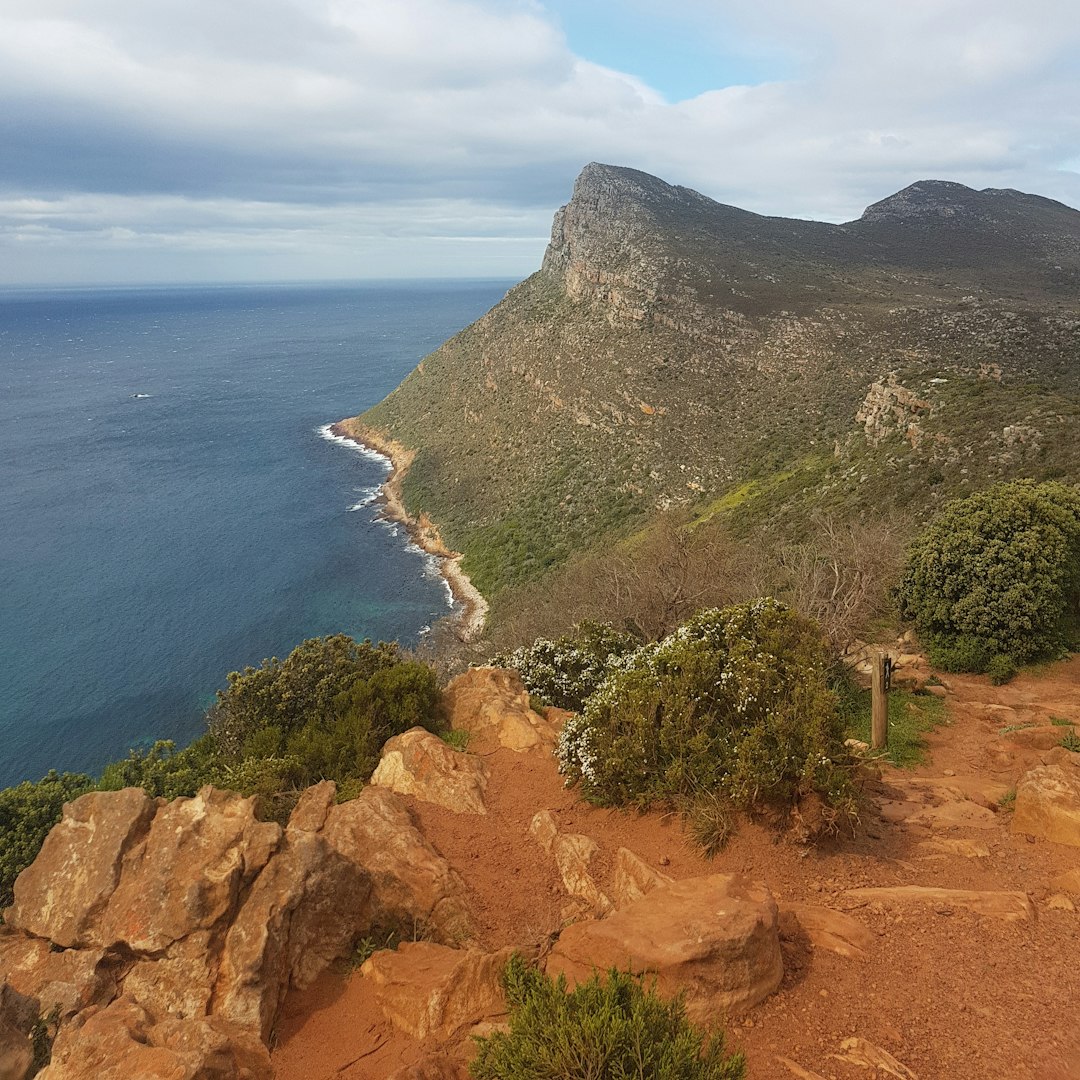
[(951, 994)]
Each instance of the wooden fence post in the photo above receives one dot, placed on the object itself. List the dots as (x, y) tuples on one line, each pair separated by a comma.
[(879, 729)]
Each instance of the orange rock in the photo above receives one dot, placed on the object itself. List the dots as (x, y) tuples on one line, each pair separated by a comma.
[(493, 702), (634, 877), (1048, 805), (827, 929), (420, 764), (714, 937), (1010, 906), (573, 854)]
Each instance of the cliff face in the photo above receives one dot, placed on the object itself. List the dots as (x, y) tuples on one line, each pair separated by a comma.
[(671, 348)]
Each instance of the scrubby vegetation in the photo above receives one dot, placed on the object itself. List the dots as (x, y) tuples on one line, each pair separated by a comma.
[(994, 580), (735, 704), (611, 1027), (322, 713), (568, 671)]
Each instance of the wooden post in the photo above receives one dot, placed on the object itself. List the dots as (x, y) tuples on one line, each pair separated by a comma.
[(879, 729)]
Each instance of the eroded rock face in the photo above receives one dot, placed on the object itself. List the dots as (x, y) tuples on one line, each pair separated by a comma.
[(1048, 804), (573, 854), (123, 1041), (493, 702), (427, 989), (16, 1052), (634, 877), (715, 937), (421, 764)]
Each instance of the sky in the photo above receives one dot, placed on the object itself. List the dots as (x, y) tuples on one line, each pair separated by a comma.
[(157, 141)]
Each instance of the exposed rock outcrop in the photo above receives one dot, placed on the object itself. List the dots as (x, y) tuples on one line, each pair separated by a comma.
[(1048, 804), (715, 937), (493, 703), (573, 854), (180, 926), (421, 764)]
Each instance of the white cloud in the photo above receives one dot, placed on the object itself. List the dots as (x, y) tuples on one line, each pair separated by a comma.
[(330, 130)]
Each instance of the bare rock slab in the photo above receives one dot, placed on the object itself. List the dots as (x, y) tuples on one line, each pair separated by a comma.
[(427, 989), (1009, 906), (493, 703), (716, 938), (1048, 804), (420, 764), (573, 854), (634, 877), (827, 928)]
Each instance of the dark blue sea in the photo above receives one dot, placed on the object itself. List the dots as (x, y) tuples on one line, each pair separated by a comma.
[(169, 510)]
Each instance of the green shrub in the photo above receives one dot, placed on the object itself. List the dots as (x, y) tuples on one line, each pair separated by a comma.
[(609, 1028), (1001, 669), (997, 574), (736, 703), (567, 671), (27, 812)]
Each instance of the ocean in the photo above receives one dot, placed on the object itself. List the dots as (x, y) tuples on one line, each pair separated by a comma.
[(173, 507)]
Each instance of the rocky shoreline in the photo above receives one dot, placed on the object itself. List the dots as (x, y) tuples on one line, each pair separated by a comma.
[(421, 530)]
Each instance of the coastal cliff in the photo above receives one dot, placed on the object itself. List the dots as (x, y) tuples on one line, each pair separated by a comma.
[(671, 350)]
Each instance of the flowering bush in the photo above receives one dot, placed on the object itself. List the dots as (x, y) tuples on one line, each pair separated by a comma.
[(566, 672), (735, 703)]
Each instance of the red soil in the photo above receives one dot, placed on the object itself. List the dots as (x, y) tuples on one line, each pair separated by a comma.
[(951, 995)]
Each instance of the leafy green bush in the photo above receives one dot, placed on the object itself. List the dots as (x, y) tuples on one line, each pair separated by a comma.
[(1001, 669), (27, 812), (997, 574), (736, 703), (567, 671), (609, 1028)]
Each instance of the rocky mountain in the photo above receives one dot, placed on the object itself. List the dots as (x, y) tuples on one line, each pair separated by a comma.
[(674, 351)]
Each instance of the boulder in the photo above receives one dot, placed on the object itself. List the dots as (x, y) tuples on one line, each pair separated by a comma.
[(1010, 906), (122, 1041), (421, 764), (715, 937), (634, 877), (63, 894), (826, 929), (427, 989), (1048, 804), (16, 1052), (412, 886), (493, 703), (35, 978), (573, 854)]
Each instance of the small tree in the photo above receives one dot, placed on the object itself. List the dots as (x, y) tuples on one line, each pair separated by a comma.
[(997, 574)]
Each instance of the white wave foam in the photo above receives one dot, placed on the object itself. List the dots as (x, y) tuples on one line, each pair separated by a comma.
[(370, 495), (327, 432)]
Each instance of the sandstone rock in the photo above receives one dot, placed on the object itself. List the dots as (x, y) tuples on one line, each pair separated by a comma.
[(35, 979), (861, 1052), (62, 895), (426, 989), (1010, 906), (714, 937), (1068, 882), (955, 815), (303, 911), (412, 886), (1060, 902), (1048, 805), (966, 849), (827, 929), (421, 764), (634, 877), (493, 702), (1040, 737), (179, 982), (16, 1052), (573, 854), (122, 1042)]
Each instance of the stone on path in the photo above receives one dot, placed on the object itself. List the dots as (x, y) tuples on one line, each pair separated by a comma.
[(1048, 804), (715, 937), (573, 854), (634, 877), (493, 702), (420, 764), (835, 931), (1010, 906)]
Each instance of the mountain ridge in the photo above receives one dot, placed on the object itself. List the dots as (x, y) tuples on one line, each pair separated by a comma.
[(671, 350)]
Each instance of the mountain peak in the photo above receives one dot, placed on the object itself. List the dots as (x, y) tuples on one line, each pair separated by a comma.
[(924, 199)]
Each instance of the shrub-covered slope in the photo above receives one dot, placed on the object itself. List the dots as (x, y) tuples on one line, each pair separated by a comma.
[(675, 351)]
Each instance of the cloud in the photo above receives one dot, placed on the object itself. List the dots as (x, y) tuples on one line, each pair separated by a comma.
[(317, 134)]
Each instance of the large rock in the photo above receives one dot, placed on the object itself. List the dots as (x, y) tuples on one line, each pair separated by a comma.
[(573, 854), (123, 1042), (493, 703), (1048, 804), (421, 764), (16, 1052), (426, 989), (304, 910), (63, 894), (412, 886), (715, 937)]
